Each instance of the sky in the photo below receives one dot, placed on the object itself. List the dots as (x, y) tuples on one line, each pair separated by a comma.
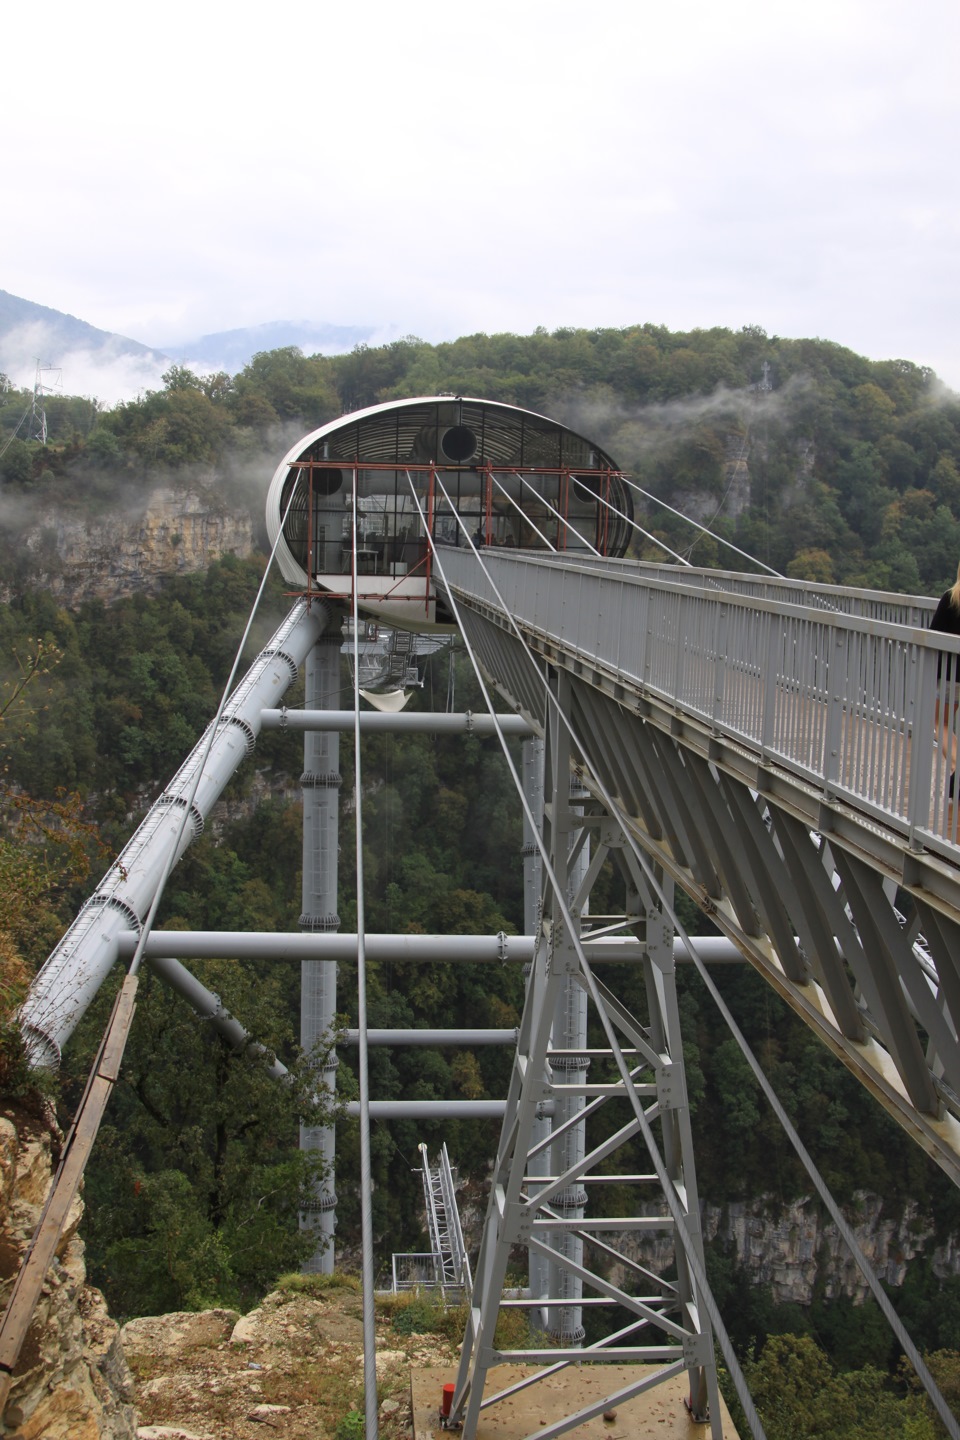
[(439, 170)]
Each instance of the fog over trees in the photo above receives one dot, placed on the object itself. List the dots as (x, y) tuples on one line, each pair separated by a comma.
[(818, 462)]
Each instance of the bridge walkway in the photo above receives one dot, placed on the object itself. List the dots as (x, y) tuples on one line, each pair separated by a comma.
[(773, 747)]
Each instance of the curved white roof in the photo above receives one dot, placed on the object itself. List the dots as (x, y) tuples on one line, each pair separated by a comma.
[(446, 431)]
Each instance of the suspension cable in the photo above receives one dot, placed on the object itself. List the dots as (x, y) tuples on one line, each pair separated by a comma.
[(564, 521), (572, 930), (806, 1159), (680, 515), (723, 499), (13, 435), (366, 1185), (99, 1087), (522, 513), (661, 544)]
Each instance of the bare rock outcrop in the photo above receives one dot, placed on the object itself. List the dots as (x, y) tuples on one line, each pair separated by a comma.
[(130, 549), (796, 1250), (71, 1381), (169, 1337)]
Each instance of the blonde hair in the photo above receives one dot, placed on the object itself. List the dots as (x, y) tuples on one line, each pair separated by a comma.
[(955, 591)]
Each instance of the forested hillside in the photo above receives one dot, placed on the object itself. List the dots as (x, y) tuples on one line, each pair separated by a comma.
[(819, 462)]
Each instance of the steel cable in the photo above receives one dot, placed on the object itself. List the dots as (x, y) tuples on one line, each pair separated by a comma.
[(696, 523), (844, 1229), (366, 1183), (676, 1211)]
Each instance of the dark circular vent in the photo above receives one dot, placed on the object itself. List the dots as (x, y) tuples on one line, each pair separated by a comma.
[(458, 443), (587, 488), (327, 481)]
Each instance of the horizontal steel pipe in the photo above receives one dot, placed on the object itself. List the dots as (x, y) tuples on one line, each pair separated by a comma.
[(282, 945), (431, 1109), (263, 945), (436, 1038), (380, 722)]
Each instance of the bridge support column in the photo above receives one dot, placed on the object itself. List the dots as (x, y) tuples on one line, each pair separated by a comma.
[(569, 1035), (538, 1269), (585, 1261), (318, 978)]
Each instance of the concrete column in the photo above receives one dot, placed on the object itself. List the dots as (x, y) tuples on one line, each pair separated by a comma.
[(318, 978)]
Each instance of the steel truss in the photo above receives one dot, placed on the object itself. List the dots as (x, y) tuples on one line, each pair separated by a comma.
[(637, 1100), (856, 930)]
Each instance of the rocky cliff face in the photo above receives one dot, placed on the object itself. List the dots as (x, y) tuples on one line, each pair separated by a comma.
[(796, 1249), (799, 1249), (71, 1381), (82, 556)]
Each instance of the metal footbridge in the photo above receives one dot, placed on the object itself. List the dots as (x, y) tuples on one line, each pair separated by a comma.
[(782, 752), (771, 746)]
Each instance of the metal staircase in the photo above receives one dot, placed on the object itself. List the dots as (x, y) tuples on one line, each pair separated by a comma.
[(443, 1225)]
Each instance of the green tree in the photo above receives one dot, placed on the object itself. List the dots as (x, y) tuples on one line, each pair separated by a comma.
[(800, 1397), (197, 1181), (16, 463)]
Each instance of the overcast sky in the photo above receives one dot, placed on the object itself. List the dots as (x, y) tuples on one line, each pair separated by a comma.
[(435, 169)]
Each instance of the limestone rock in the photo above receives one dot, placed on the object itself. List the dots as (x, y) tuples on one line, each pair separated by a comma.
[(134, 547), (169, 1432), (71, 1381), (247, 1328), (387, 1360), (9, 1148), (164, 1337), (796, 1249)]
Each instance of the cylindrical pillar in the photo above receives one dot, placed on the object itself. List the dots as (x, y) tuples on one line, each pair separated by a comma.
[(565, 1323), (318, 978), (84, 957), (532, 772)]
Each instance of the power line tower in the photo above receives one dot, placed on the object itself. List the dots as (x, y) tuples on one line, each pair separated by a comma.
[(38, 415)]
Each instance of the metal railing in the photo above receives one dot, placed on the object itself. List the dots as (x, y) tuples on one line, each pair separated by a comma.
[(443, 1225), (415, 1270), (846, 698), (913, 610)]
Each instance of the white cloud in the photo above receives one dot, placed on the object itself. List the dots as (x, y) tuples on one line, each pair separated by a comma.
[(107, 374), (446, 171)]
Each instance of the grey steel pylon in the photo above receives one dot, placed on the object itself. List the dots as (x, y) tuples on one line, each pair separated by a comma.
[(592, 1262), (321, 783)]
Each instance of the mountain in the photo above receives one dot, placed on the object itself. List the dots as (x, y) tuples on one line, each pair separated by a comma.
[(31, 332), (91, 361), (231, 350), (114, 367)]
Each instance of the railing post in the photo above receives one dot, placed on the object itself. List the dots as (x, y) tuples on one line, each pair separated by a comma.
[(768, 718), (921, 745), (679, 649), (647, 656), (720, 666), (836, 689)]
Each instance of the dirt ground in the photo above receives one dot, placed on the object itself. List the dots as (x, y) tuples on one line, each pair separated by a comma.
[(293, 1370), (296, 1377)]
